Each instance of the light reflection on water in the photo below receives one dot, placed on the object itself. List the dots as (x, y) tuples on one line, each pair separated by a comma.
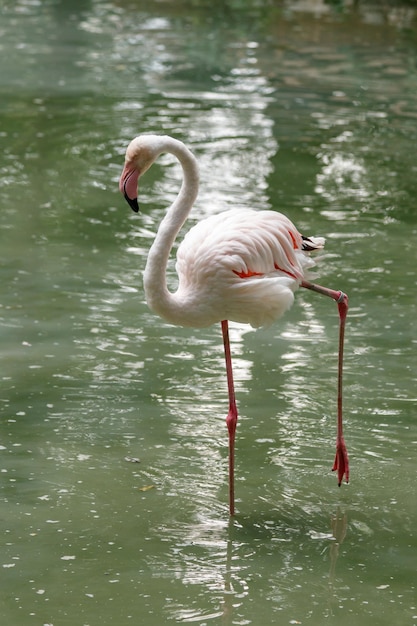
[(114, 447)]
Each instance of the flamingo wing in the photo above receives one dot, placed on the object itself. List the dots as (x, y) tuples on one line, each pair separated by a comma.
[(242, 265)]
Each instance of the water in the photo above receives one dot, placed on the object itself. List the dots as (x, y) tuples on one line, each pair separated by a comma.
[(113, 449)]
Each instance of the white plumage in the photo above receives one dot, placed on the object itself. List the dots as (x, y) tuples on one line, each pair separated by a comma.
[(241, 265)]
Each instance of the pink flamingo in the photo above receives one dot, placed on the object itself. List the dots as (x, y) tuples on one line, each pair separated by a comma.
[(241, 265)]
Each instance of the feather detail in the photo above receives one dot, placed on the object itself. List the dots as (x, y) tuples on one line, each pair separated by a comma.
[(312, 243)]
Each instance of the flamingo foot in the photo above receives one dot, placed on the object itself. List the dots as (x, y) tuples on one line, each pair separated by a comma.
[(341, 461)]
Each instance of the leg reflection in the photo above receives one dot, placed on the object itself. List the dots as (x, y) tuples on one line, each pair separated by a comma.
[(339, 529)]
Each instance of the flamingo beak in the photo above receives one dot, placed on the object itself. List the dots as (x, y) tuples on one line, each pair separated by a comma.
[(128, 185)]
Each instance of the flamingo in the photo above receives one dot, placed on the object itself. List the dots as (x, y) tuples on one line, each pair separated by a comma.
[(240, 265)]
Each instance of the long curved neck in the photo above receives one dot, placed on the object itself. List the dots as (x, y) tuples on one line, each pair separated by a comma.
[(159, 299)]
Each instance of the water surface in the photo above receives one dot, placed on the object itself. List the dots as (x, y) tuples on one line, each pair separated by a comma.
[(113, 445)]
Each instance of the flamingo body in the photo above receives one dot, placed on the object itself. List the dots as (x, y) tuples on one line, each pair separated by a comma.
[(240, 265)]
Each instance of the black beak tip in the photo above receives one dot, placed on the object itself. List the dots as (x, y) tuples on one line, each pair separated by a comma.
[(133, 203)]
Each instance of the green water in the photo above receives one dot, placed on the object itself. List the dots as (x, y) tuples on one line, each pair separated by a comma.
[(305, 107)]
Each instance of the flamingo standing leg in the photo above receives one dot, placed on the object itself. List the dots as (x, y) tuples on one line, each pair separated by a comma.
[(231, 419)]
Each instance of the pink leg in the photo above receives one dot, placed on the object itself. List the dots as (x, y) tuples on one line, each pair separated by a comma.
[(231, 419), (341, 462)]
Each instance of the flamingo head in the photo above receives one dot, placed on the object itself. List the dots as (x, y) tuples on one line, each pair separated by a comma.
[(140, 154)]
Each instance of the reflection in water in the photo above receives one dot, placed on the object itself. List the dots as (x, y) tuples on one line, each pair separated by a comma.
[(341, 175), (339, 530), (221, 558)]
